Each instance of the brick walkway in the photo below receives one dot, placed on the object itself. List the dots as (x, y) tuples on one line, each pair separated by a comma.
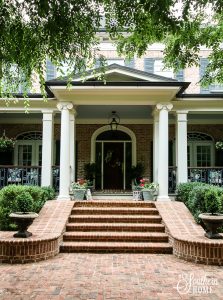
[(106, 276)]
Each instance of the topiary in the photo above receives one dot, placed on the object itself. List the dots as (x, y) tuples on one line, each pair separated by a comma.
[(24, 202), (212, 201)]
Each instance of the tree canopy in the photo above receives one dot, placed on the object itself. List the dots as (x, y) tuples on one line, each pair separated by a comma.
[(66, 32)]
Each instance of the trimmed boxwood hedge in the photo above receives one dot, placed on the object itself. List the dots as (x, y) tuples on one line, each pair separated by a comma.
[(8, 201), (200, 198)]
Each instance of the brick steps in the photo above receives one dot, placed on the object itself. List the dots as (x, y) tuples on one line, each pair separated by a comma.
[(115, 226), (114, 203), (115, 218), (116, 247), (115, 211), (116, 236)]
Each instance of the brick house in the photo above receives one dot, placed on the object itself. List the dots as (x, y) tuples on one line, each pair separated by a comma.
[(167, 121)]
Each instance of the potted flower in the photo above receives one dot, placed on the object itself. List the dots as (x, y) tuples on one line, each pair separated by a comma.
[(24, 216), (148, 189), (6, 144), (212, 218), (219, 145), (79, 189)]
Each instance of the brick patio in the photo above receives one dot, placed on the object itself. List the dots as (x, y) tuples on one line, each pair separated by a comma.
[(105, 276)]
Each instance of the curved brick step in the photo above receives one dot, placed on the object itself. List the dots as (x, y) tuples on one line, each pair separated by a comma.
[(114, 203), (116, 247), (115, 210), (115, 218), (115, 227), (157, 237)]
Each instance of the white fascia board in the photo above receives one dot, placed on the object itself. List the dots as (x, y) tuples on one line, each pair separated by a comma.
[(194, 99), (112, 88)]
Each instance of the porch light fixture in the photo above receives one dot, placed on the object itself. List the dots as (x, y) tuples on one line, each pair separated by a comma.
[(115, 120)]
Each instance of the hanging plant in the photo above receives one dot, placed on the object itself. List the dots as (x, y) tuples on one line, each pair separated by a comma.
[(219, 145), (6, 144)]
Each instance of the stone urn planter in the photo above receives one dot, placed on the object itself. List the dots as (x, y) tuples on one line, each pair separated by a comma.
[(23, 220), (148, 189), (212, 222), (148, 195), (79, 194)]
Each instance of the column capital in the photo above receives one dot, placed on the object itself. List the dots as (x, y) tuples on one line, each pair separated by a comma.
[(164, 106), (48, 111), (181, 116), (65, 106), (185, 112)]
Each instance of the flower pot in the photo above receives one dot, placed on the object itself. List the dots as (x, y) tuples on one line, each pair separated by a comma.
[(79, 194), (212, 222), (23, 221), (137, 195), (148, 195)]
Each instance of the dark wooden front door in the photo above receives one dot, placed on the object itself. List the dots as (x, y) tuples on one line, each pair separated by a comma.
[(113, 165)]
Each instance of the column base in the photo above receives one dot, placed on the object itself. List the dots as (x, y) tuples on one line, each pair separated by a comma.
[(163, 198), (63, 197)]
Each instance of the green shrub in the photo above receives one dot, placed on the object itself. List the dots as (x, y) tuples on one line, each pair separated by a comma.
[(38, 195), (183, 190), (200, 198), (196, 202), (24, 202), (212, 201), (49, 192), (8, 201), (8, 205)]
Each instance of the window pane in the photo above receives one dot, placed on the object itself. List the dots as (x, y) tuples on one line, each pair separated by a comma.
[(159, 69), (204, 156), (25, 155)]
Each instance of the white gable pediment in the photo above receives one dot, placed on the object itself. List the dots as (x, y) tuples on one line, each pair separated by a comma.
[(120, 73)]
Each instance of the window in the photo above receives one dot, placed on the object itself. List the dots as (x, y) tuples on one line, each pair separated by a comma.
[(200, 150), (50, 70), (156, 66), (28, 149), (212, 88), (159, 69)]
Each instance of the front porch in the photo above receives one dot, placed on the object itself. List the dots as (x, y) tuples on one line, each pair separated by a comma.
[(32, 176)]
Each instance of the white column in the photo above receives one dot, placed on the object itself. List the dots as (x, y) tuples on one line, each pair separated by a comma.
[(47, 148), (163, 146), (72, 145), (155, 146), (64, 189), (181, 146)]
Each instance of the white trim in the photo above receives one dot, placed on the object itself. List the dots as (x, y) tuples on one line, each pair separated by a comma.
[(106, 128)]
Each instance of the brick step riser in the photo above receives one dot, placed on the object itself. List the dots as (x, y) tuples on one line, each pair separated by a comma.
[(68, 249), (113, 220), (118, 229), (115, 204), (116, 239), (110, 212)]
